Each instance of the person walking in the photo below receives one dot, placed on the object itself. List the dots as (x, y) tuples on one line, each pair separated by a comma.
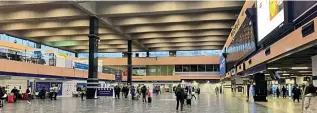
[(217, 91), (296, 93), (42, 93), (284, 92), (28, 92), (1, 97), (144, 93), (132, 91), (15, 93), (198, 91), (117, 91), (189, 98), (82, 93), (180, 97), (277, 92)]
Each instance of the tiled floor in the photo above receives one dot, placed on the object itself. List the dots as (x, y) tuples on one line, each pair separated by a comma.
[(205, 103)]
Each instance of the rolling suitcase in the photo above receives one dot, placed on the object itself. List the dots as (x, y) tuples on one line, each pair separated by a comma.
[(11, 98), (149, 99), (25, 96)]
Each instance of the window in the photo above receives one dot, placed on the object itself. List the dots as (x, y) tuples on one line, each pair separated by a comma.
[(193, 68), (186, 68), (178, 68), (202, 68), (209, 67), (159, 54), (216, 67), (141, 54)]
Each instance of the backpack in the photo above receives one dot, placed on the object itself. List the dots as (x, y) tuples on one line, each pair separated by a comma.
[(178, 92)]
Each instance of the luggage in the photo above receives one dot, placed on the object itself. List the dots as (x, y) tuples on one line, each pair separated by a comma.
[(25, 96), (149, 99), (11, 98), (188, 101)]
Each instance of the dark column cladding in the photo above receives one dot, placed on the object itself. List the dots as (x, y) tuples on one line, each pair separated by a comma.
[(92, 81), (260, 87), (129, 80)]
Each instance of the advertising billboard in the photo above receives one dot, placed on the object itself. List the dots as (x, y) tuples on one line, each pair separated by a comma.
[(270, 15), (222, 65)]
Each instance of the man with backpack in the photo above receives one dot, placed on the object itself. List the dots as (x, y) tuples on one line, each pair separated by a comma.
[(180, 96)]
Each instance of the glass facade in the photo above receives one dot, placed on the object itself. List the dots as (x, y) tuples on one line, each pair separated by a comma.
[(11, 39), (32, 44)]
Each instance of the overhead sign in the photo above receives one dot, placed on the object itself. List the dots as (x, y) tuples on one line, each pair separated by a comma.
[(270, 15), (222, 65)]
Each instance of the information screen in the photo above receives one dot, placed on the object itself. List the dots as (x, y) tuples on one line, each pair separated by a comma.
[(270, 14)]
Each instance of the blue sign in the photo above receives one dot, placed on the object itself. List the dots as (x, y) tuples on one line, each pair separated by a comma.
[(118, 78), (222, 65), (105, 92), (81, 66), (59, 85), (40, 85)]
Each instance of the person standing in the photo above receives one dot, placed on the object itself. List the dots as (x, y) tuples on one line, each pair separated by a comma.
[(180, 97), (198, 90), (144, 93), (284, 92), (277, 92)]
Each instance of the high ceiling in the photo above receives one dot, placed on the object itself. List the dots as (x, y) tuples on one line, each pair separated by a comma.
[(152, 25)]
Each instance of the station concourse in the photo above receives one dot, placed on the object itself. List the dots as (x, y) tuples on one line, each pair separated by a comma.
[(148, 56)]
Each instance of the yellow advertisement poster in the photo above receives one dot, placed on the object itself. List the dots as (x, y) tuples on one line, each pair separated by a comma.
[(275, 7)]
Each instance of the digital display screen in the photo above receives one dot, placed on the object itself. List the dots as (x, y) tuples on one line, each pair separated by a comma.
[(270, 15), (243, 44)]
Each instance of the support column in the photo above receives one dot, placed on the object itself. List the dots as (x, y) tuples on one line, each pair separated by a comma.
[(92, 81), (129, 79), (314, 69), (260, 87)]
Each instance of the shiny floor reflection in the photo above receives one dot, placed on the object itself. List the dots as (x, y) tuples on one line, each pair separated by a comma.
[(165, 103)]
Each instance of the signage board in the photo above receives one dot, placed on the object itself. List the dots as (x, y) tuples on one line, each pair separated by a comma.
[(81, 66), (40, 85), (105, 92)]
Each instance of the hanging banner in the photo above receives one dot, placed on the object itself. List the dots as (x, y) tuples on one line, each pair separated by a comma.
[(105, 92), (118, 77)]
